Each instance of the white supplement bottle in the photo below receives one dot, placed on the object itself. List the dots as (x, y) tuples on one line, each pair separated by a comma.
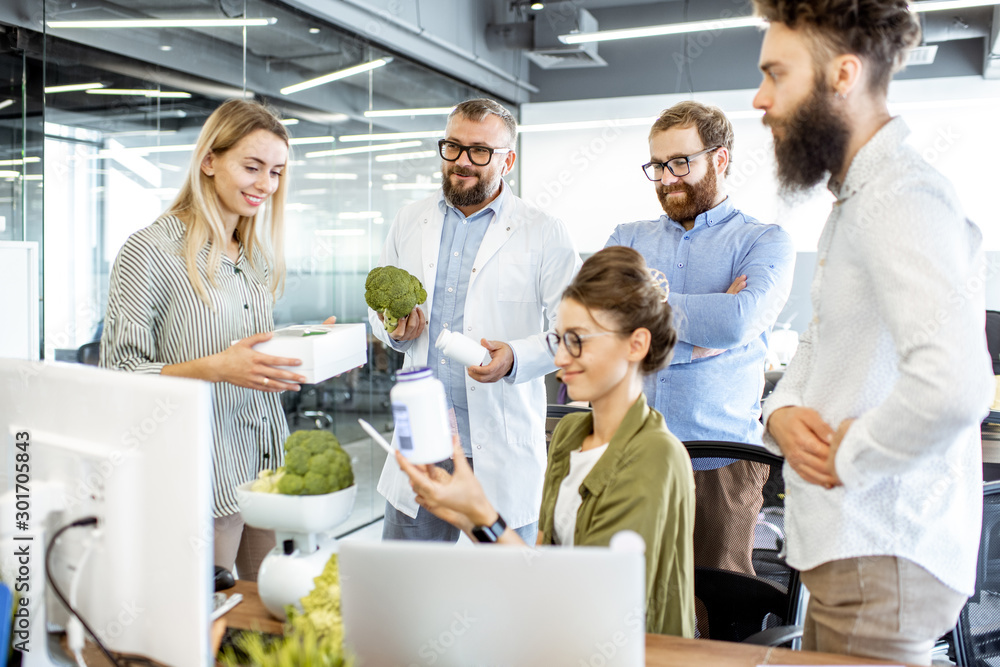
[(462, 349), (420, 413)]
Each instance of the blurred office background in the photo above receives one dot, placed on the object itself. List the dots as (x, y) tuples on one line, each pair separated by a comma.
[(97, 124)]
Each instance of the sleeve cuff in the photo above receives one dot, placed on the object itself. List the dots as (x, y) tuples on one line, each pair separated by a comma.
[(511, 376), (845, 462)]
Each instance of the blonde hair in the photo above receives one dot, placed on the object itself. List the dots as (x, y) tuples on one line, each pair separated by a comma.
[(198, 206)]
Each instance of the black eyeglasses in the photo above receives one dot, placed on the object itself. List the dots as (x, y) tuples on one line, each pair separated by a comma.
[(678, 166), (478, 155), (572, 340)]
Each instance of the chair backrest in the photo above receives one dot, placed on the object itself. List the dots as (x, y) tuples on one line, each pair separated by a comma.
[(89, 353), (977, 635), (993, 338), (742, 583)]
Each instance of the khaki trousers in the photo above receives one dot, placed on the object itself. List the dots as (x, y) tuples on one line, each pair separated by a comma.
[(727, 502), (877, 607), (239, 544)]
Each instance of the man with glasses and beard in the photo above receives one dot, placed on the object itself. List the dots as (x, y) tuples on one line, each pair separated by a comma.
[(494, 269), (729, 277), (878, 413)]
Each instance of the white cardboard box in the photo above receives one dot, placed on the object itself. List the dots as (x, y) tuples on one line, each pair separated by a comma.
[(325, 349)]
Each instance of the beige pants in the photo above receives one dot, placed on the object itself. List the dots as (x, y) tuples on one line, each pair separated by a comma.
[(239, 544), (877, 607), (727, 501)]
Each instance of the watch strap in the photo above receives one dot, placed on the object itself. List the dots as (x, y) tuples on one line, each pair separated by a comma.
[(490, 534)]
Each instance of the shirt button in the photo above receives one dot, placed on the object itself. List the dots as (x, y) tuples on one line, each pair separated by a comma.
[(431, 265), (687, 238), (472, 388), (681, 265), (266, 456), (456, 254), (246, 306), (444, 361), (469, 329), (445, 325), (479, 446), (663, 379), (450, 289)]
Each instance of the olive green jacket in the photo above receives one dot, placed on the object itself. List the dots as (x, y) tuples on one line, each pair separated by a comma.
[(642, 482)]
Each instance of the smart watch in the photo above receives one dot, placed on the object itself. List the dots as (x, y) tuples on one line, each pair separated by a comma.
[(490, 534)]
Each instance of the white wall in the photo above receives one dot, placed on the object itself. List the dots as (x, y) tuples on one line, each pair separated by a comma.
[(591, 177)]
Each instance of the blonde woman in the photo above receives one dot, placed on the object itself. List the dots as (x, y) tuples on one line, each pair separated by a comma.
[(205, 274)]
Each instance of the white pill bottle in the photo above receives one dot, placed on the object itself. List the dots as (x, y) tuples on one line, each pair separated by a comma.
[(462, 349), (420, 413)]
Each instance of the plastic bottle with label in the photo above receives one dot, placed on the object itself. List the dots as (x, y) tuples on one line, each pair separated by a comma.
[(462, 349), (420, 413)]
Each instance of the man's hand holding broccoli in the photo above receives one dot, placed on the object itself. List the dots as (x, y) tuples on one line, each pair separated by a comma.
[(394, 294)]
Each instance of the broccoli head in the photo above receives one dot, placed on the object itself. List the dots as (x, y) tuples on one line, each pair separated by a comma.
[(315, 463), (314, 442), (297, 461), (341, 474), (291, 484), (394, 293)]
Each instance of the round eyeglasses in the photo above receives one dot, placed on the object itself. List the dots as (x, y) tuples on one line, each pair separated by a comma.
[(478, 155), (678, 166), (572, 340)]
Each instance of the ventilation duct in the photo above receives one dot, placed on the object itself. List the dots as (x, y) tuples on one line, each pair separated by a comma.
[(539, 38)]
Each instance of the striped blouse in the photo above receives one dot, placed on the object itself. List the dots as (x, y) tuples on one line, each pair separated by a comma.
[(156, 318)]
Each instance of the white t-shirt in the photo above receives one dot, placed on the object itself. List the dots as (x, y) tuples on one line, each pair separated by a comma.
[(569, 500)]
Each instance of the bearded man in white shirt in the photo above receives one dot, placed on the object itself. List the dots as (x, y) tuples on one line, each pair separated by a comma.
[(878, 413)]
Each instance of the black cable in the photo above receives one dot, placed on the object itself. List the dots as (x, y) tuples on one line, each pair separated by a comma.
[(88, 521)]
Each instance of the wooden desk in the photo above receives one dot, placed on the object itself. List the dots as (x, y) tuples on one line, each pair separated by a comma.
[(661, 650)]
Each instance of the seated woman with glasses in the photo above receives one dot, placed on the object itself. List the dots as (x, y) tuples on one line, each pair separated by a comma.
[(615, 468)]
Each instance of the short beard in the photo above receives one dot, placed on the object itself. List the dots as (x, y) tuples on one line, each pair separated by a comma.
[(472, 196), (812, 146), (700, 196)]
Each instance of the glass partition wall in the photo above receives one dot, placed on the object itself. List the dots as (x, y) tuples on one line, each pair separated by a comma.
[(97, 122)]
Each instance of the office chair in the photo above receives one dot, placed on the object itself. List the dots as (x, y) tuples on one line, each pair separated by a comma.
[(993, 338), (771, 379), (977, 635), (89, 353), (746, 591)]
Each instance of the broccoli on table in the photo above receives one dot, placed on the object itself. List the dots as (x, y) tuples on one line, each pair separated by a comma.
[(394, 293)]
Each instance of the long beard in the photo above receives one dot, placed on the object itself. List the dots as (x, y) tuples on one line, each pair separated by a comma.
[(811, 146), (472, 195), (698, 197)]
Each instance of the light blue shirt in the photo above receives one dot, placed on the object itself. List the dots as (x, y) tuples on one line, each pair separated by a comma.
[(460, 241), (715, 398)]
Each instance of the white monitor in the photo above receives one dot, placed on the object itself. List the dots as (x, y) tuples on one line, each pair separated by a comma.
[(134, 451), (422, 603)]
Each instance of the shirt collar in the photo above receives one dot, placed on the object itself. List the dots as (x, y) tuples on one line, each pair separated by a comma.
[(494, 206), (871, 158), (603, 471), (711, 217)]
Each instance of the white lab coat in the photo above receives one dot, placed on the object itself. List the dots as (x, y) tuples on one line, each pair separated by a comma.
[(523, 265)]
